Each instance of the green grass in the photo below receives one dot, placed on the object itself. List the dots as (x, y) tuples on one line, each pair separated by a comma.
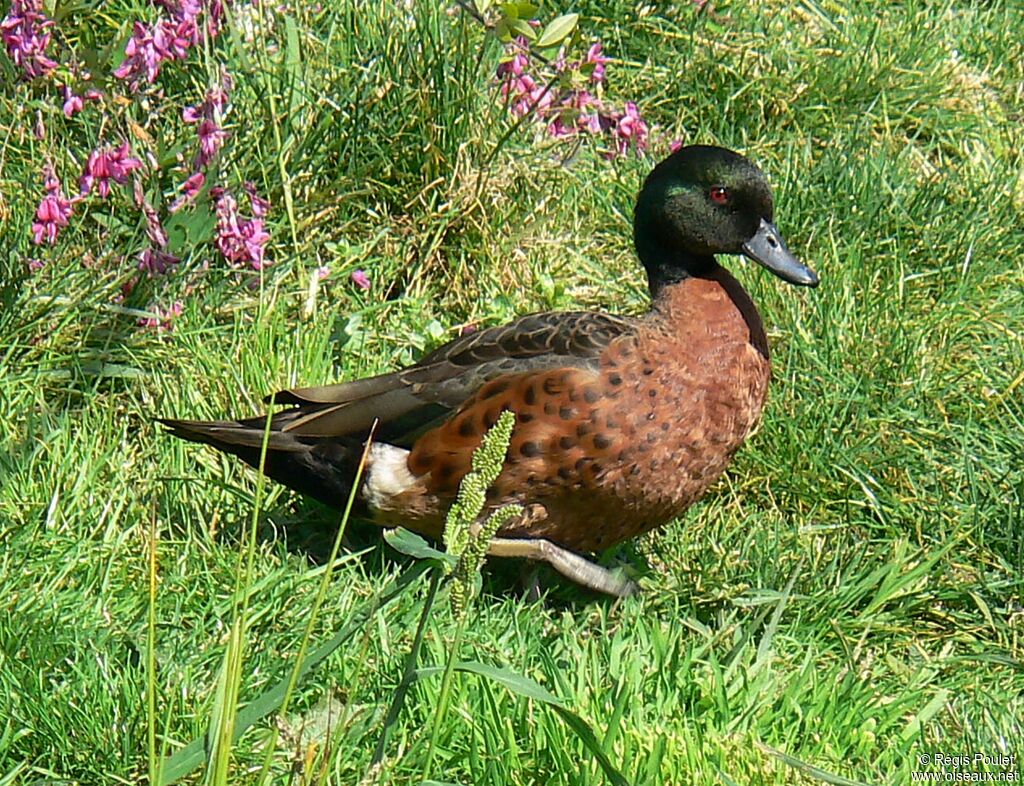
[(850, 596)]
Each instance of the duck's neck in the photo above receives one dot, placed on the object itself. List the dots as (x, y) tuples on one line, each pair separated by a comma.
[(667, 265), (696, 300)]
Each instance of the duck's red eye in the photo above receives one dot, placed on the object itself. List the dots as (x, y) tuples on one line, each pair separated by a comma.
[(719, 195)]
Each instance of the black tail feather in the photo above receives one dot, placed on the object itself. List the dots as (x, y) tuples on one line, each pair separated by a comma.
[(322, 468)]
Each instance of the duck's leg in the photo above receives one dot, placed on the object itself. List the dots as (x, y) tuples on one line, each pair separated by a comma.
[(529, 578), (568, 563)]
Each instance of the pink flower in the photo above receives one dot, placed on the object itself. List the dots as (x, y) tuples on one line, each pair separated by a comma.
[(559, 64), (51, 216), (579, 111), (190, 11), (175, 38), (126, 289), (155, 260), (189, 191), (162, 318), (519, 89), (254, 238), (214, 102), (154, 229), (53, 212), (152, 45), (35, 265), (215, 15), (322, 272), (629, 130), (142, 57), (211, 138), (565, 105), (208, 115), (25, 34), (72, 104), (360, 279), (217, 97), (598, 60), (524, 95), (183, 11), (515, 65), (92, 94), (106, 165), (260, 206), (674, 145), (239, 240)]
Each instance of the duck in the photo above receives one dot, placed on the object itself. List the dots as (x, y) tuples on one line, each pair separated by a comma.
[(622, 422)]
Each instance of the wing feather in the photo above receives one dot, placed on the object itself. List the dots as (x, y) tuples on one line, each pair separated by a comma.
[(424, 393)]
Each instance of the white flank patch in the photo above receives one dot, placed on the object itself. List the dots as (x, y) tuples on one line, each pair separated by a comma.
[(387, 475)]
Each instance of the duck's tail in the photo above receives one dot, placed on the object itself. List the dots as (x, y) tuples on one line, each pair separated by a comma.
[(319, 467)]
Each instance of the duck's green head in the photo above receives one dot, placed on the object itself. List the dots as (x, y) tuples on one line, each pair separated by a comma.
[(702, 201)]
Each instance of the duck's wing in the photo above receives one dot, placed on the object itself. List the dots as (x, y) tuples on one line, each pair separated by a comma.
[(314, 445), (407, 402)]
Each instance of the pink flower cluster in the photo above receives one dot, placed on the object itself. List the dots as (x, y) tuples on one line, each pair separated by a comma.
[(25, 32), (208, 115), (73, 103), (565, 104), (151, 45), (241, 240), (180, 27), (53, 212), (518, 88), (106, 164), (155, 260), (628, 130)]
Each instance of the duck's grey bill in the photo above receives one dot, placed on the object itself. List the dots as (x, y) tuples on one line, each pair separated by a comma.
[(767, 248)]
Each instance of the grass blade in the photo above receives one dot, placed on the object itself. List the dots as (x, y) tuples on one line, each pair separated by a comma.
[(192, 756), (522, 685)]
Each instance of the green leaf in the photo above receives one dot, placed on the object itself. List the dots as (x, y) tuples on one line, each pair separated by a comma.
[(292, 51), (523, 28), (915, 726), (186, 230), (590, 742), (292, 63), (109, 222), (558, 30), (104, 370), (413, 545), (518, 10), (435, 330), (519, 684), (809, 769)]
